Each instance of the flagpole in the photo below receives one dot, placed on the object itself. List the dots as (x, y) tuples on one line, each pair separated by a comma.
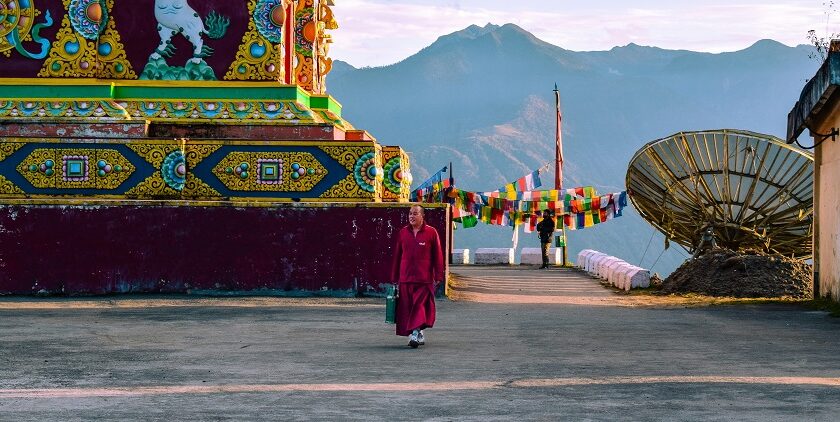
[(558, 167)]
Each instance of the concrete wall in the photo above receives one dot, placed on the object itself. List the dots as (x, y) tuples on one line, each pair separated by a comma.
[(100, 249), (827, 206)]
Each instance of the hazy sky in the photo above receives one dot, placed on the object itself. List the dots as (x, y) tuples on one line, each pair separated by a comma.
[(380, 32)]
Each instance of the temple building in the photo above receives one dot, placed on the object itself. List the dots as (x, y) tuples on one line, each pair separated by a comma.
[(184, 145)]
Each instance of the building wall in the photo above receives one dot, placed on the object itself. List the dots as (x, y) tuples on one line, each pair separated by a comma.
[(827, 207), (271, 248)]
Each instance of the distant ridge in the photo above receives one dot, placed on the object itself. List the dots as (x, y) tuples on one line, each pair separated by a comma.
[(481, 97)]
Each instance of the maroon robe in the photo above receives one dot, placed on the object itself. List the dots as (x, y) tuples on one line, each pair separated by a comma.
[(418, 264)]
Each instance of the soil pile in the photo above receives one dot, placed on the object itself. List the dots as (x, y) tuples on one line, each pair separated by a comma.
[(724, 272)]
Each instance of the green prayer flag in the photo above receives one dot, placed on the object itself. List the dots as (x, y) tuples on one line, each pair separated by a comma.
[(469, 221)]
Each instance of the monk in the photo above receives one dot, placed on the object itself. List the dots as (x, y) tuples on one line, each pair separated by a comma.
[(418, 267)]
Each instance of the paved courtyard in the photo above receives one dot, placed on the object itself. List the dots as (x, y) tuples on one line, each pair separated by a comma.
[(519, 344)]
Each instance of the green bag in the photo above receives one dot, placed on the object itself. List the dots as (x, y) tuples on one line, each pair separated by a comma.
[(391, 304)]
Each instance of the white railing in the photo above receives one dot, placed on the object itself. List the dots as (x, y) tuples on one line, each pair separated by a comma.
[(617, 272)]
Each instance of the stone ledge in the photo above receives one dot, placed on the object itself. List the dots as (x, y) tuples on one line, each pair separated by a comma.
[(533, 256), (494, 256), (460, 256), (617, 272)]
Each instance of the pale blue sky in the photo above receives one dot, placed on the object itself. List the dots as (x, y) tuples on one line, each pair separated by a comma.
[(380, 32)]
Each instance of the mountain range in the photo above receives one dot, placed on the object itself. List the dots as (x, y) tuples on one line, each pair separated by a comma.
[(482, 99)]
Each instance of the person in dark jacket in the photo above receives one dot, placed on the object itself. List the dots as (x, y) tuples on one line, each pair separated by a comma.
[(418, 267), (545, 228)]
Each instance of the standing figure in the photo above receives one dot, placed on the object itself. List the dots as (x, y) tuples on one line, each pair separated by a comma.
[(545, 228), (707, 241), (418, 267)]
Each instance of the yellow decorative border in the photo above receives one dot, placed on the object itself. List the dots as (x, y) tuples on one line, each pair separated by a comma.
[(114, 179), (152, 187), (225, 171), (90, 180), (7, 149), (196, 153), (38, 178), (225, 111), (155, 186), (9, 188), (196, 188), (154, 152), (347, 156), (97, 110)]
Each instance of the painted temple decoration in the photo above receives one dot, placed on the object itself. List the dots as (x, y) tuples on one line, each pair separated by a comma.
[(261, 55), (396, 174), (175, 18), (312, 18), (241, 68), (283, 41), (18, 25), (152, 119), (87, 45)]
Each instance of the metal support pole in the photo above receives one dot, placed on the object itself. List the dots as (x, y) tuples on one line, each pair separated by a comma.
[(558, 169)]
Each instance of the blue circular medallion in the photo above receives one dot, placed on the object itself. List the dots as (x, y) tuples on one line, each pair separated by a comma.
[(365, 172), (266, 17), (173, 170)]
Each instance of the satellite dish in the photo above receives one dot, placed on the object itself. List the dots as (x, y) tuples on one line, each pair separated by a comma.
[(755, 191)]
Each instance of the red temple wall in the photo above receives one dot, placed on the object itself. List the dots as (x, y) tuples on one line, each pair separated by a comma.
[(132, 248)]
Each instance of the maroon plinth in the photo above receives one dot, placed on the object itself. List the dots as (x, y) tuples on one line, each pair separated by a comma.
[(133, 248)]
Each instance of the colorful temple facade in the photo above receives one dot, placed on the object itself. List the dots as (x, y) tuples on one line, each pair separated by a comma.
[(174, 145)]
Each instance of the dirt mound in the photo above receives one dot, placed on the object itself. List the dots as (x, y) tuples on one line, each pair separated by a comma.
[(741, 274)]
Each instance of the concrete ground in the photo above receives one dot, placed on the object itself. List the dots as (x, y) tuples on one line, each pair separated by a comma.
[(581, 352)]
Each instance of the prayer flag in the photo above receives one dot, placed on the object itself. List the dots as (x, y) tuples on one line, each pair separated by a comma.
[(424, 188), (469, 221), (528, 182)]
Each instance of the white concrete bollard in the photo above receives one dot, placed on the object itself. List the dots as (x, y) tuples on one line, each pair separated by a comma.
[(587, 256), (613, 271), (621, 278), (616, 271), (494, 256), (581, 258), (604, 265), (460, 256), (533, 256), (639, 277), (592, 261)]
